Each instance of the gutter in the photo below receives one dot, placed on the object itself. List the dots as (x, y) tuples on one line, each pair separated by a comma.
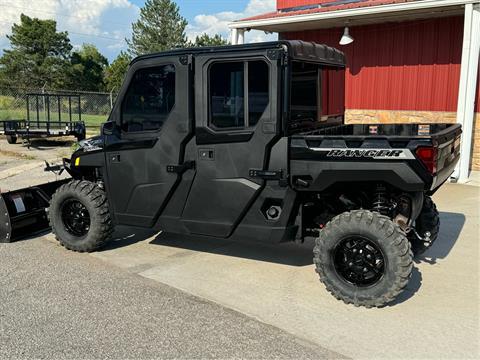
[(349, 13)]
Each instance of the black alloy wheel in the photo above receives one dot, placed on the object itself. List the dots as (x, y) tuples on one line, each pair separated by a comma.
[(75, 217), (359, 261)]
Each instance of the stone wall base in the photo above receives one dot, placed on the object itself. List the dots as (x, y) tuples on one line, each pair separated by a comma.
[(418, 117)]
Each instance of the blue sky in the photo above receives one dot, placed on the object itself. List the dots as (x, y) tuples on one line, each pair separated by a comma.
[(106, 23)]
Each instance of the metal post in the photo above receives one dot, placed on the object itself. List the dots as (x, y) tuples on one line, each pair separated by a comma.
[(79, 109), (468, 87), (111, 99), (70, 109), (38, 110), (59, 112), (234, 39), (44, 105), (241, 36), (47, 97), (28, 109)]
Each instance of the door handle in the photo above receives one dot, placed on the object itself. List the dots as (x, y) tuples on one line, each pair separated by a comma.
[(180, 169)]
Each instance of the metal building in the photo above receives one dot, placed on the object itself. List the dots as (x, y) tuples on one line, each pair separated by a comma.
[(409, 61)]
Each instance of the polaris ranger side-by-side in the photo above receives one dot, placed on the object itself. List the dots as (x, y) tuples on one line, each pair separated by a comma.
[(249, 143)]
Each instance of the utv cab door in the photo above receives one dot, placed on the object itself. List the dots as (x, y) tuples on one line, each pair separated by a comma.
[(235, 116), (144, 155)]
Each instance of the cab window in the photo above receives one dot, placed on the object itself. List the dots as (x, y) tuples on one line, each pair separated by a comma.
[(149, 99), (238, 93)]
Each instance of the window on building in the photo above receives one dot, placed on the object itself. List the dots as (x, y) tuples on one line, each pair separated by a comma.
[(149, 99), (227, 93)]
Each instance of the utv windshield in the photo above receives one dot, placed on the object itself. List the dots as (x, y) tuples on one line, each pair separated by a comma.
[(317, 95)]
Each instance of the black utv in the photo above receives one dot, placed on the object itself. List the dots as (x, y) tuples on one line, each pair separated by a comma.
[(249, 143)]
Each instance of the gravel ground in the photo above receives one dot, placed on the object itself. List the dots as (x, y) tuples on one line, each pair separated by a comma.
[(22, 166), (59, 304)]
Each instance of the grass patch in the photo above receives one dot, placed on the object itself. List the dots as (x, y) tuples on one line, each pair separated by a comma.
[(16, 155)]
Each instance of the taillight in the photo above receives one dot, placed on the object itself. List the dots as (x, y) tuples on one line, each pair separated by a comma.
[(428, 156)]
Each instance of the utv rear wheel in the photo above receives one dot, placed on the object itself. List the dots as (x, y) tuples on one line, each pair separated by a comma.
[(79, 216), (363, 258), (11, 139), (427, 223)]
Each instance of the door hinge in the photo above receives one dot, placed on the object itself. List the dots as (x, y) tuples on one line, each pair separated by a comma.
[(180, 169), (185, 59)]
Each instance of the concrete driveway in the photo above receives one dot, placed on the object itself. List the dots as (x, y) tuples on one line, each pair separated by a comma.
[(437, 317)]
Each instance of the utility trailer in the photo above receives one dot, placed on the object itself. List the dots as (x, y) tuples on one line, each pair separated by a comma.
[(248, 143), (48, 115)]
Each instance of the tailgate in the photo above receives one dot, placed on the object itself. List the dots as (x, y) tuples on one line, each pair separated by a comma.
[(447, 144)]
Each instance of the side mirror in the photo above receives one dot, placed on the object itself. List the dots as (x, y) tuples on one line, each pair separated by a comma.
[(108, 127)]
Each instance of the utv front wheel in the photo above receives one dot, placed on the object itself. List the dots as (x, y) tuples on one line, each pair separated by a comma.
[(79, 216), (363, 258)]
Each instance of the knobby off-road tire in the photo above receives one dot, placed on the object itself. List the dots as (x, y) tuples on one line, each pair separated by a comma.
[(11, 139), (375, 232), (427, 221), (80, 217)]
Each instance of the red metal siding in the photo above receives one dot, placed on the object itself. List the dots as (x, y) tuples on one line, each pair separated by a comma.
[(399, 66)]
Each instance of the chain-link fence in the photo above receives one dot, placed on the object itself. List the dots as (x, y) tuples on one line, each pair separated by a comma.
[(94, 106)]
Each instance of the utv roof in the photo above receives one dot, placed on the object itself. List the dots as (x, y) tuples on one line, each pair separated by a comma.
[(297, 50)]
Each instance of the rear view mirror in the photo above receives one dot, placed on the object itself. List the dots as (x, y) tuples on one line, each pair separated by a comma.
[(108, 127)]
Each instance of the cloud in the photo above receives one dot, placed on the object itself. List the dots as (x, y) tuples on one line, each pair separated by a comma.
[(218, 23), (104, 23)]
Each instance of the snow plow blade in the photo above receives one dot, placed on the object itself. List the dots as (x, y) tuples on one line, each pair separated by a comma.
[(23, 212)]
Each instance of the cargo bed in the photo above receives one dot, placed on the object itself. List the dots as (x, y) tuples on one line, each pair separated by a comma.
[(415, 157), (389, 130)]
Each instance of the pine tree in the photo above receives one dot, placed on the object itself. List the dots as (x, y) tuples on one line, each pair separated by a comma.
[(160, 28), (207, 40), (39, 55)]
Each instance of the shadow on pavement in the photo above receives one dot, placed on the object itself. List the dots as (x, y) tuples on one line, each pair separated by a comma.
[(287, 254), (44, 144), (412, 288), (451, 225), (127, 235)]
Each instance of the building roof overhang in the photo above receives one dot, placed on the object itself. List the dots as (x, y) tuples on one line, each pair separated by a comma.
[(364, 13)]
